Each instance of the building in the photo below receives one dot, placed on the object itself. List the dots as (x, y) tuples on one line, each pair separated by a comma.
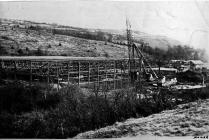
[(196, 64), (184, 65)]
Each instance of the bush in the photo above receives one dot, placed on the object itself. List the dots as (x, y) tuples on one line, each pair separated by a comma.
[(20, 51), (67, 112), (30, 125), (39, 52), (16, 98), (7, 129)]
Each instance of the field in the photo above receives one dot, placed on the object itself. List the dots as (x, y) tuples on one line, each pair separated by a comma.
[(30, 38), (21, 41)]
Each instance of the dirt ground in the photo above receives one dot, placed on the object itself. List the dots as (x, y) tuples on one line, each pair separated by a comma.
[(185, 121)]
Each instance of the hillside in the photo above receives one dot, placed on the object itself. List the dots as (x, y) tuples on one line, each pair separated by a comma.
[(29, 38), (23, 41), (189, 119)]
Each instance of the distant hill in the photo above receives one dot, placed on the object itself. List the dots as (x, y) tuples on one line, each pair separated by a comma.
[(19, 37), (29, 38)]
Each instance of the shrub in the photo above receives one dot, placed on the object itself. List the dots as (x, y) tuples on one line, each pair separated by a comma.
[(20, 51), (6, 126), (39, 52), (18, 98), (69, 111), (3, 50), (49, 46), (30, 125)]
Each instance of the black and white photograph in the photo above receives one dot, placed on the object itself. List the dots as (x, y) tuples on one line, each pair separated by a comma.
[(108, 69)]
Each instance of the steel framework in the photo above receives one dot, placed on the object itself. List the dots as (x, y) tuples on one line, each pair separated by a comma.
[(92, 73)]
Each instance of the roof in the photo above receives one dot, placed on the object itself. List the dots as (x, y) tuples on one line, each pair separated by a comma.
[(165, 69), (196, 62), (58, 58)]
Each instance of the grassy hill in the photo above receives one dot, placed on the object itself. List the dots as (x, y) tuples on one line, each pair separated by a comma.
[(189, 119), (22, 40), (29, 38)]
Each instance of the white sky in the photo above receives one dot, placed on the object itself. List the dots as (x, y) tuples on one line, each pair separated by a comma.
[(186, 21)]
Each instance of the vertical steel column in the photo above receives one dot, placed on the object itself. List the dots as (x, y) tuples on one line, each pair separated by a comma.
[(114, 74), (129, 72), (89, 70), (78, 73), (97, 76), (106, 87), (121, 75), (30, 72), (2, 67), (48, 73), (68, 74), (2, 64), (57, 75), (140, 73), (15, 72)]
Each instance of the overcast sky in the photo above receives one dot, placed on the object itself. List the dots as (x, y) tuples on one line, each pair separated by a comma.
[(185, 21)]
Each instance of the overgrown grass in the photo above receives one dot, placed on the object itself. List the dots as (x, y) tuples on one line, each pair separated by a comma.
[(30, 112)]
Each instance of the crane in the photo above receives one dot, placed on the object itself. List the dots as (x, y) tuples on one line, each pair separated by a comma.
[(132, 49)]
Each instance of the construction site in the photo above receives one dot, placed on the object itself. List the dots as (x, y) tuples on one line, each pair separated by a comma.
[(94, 73), (59, 81)]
